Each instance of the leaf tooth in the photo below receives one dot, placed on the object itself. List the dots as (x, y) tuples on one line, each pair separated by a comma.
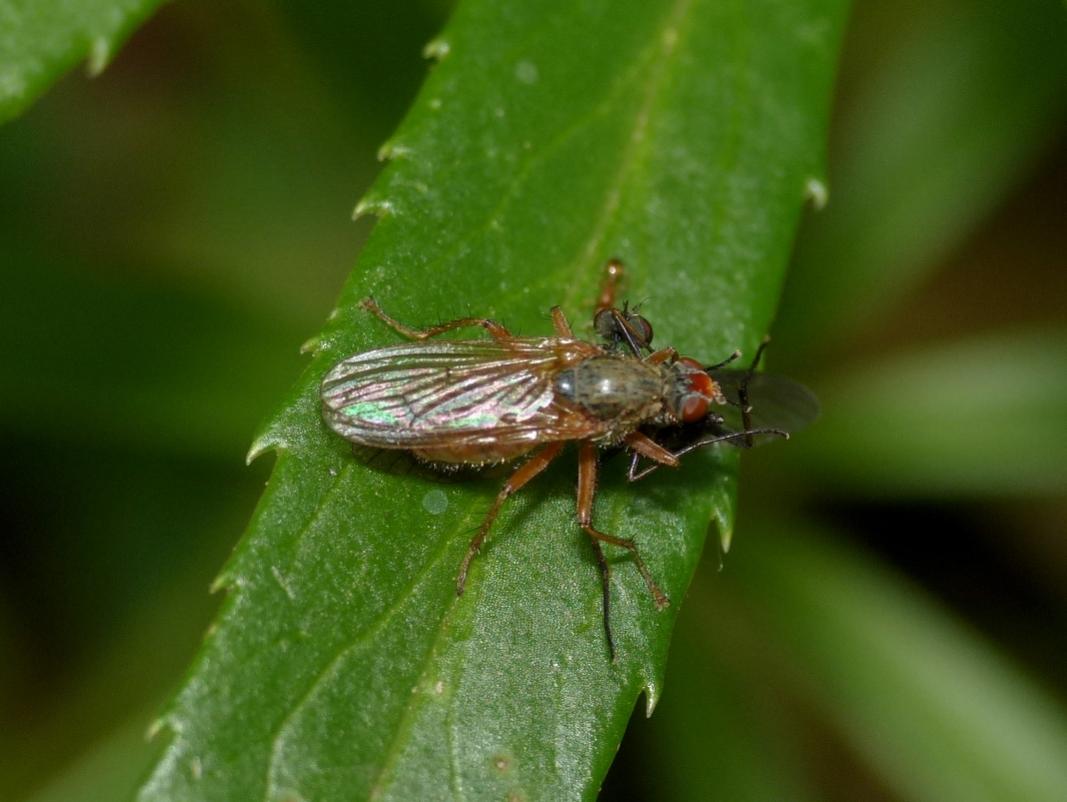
[(651, 690), (100, 53), (436, 49), (224, 581), (158, 724), (816, 192), (379, 207), (393, 150), (269, 440)]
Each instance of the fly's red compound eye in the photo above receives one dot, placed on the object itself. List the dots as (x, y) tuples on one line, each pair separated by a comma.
[(699, 390), (694, 408)]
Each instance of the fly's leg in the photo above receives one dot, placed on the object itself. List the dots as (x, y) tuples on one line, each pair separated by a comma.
[(560, 324), (605, 585), (612, 276), (494, 328), (745, 434), (587, 470), (523, 474), (645, 446), (742, 392)]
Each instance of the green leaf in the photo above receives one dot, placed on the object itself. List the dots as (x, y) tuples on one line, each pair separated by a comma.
[(552, 136), (932, 707), (41, 39)]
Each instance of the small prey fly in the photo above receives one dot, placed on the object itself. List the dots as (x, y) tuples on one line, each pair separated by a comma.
[(482, 401)]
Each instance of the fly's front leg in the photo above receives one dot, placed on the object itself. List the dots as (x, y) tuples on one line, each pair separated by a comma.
[(587, 471), (494, 328), (742, 391), (523, 474)]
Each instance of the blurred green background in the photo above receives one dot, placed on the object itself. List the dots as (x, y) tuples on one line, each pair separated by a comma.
[(892, 614)]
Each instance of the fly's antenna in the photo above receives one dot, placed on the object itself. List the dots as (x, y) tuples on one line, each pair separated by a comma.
[(735, 355)]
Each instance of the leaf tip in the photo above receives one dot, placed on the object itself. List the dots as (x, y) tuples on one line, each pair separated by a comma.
[(436, 49), (816, 193)]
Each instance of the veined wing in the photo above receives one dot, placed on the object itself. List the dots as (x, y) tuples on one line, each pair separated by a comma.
[(454, 393), (777, 402)]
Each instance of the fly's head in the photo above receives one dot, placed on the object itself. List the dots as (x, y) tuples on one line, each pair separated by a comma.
[(692, 391)]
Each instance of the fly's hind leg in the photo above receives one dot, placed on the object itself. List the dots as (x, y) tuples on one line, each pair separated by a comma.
[(605, 585), (495, 329), (523, 474), (587, 470)]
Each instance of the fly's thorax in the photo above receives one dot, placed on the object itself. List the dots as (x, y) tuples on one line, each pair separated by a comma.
[(616, 389), (692, 391)]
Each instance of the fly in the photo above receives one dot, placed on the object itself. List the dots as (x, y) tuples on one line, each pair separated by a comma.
[(484, 401)]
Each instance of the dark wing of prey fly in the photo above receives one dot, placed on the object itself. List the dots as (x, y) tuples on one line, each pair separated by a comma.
[(454, 393), (777, 402)]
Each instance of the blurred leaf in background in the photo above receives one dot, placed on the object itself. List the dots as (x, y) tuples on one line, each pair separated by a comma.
[(152, 219), (40, 39), (172, 231), (926, 304)]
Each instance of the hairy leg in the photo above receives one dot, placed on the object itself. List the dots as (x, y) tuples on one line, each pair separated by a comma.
[(522, 475), (494, 328)]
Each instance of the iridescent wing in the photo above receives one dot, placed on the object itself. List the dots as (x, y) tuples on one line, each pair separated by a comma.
[(445, 394)]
